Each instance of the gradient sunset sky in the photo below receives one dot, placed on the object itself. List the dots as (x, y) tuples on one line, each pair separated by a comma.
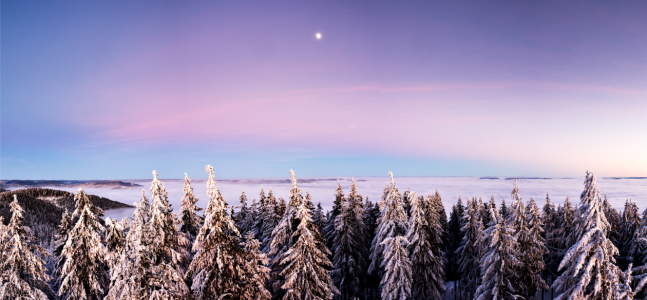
[(115, 89)]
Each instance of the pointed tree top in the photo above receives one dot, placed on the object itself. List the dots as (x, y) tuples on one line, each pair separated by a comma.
[(293, 178), (391, 175), (186, 176), (208, 169), (154, 174)]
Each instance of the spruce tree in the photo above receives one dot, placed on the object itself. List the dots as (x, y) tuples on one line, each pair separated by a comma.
[(254, 270), (396, 283), (349, 261), (216, 266), (469, 251), (270, 217), (503, 211), (283, 238), (423, 240), (533, 249), (115, 242), (240, 218), (498, 265), (319, 218), (454, 239), (630, 223), (305, 263), (393, 222), (83, 274), (22, 270), (61, 238), (167, 246), (191, 222), (129, 279), (589, 270), (615, 219), (258, 227), (371, 215), (549, 218), (329, 233)]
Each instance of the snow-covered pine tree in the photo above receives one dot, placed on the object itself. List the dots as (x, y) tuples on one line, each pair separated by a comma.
[(115, 242), (423, 239), (281, 207), (589, 269), (454, 238), (270, 216), (498, 265), (191, 222), (329, 233), (638, 251), (241, 217), (503, 211), (250, 218), (304, 265), (371, 215), (407, 201), (442, 218), (257, 228), (349, 261), (166, 245), (4, 239), (255, 271), (623, 289), (486, 217), (615, 220), (61, 238), (22, 270), (518, 224), (549, 217), (468, 252), (393, 222), (216, 266), (129, 279), (83, 275), (283, 238), (319, 218), (397, 280), (628, 226), (566, 219), (533, 249)]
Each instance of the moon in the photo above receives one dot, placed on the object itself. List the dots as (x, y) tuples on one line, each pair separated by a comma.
[(318, 35)]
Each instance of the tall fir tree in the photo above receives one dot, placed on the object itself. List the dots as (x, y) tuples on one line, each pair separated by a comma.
[(283, 238), (499, 264), (549, 218), (393, 222), (129, 277), (349, 260), (115, 241), (254, 270), (423, 240), (167, 246), (319, 217), (258, 227), (397, 280), (503, 211), (615, 220), (630, 223), (61, 238), (271, 217), (191, 221), (469, 249), (372, 281), (83, 274), (454, 238), (22, 270), (589, 269), (305, 264), (329, 233), (533, 249), (216, 266), (241, 218)]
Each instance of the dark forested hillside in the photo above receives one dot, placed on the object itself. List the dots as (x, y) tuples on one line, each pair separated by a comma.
[(44, 207)]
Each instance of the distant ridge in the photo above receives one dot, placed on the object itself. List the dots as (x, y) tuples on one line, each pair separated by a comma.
[(491, 178), (115, 184), (512, 178), (618, 178)]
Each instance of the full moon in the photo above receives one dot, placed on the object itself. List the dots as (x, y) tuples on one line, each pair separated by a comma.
[(318, 35)]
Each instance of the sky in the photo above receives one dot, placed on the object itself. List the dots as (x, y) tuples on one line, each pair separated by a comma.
[(115, 89)]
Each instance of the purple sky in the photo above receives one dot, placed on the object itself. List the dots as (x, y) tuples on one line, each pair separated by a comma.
[(114, 89)]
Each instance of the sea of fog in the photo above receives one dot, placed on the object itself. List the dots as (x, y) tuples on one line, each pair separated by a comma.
[(323, 190)]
